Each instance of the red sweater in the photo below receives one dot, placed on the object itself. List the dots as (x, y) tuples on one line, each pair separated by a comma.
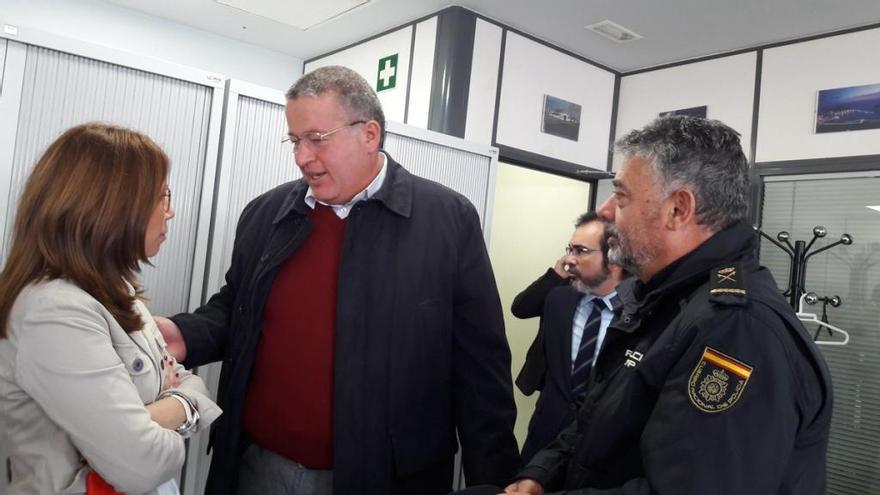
[(289, 407)]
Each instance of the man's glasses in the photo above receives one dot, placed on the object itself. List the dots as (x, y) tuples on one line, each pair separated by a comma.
[(314, 139), (579, 250), (166, 200)]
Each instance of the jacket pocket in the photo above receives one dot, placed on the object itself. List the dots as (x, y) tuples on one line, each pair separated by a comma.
[(415, 452)]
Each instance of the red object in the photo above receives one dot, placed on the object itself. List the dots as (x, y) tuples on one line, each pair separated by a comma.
[(95, 485), (289, 406)]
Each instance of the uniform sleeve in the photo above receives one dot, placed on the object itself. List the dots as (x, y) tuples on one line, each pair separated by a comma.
[(483, 389), (67, 363), (548, 466), (727, 415), (530, 302)]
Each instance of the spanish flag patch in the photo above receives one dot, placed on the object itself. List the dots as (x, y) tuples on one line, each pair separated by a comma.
[(718, 381)]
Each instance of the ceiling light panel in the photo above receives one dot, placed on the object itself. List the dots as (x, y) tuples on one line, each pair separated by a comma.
[(614, 31), (300, 14)]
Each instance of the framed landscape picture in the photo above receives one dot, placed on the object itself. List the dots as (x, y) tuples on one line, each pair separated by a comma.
[(561, 118), (692, 111), (848, 109)]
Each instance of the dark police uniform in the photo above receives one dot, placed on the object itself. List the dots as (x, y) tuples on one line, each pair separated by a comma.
[(707, 383)]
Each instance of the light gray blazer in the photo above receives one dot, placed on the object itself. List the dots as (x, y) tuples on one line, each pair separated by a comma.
[(73, 386)]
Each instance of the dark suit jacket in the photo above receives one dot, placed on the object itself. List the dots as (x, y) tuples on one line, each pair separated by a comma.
[(556, 406), (421, 357), (529, 304)]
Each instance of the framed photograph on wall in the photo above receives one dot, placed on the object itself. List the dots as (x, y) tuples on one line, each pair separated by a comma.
[(692, 111), (561, 118), (848, 109)]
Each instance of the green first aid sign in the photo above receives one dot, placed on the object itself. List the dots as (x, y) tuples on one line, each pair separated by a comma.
[(387, 73)]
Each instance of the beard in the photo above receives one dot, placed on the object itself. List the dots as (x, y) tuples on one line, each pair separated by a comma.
[(630, 251), (586, 283)]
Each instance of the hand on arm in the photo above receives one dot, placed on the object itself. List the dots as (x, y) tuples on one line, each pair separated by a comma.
[(168, 412), (173, 337), (524, 487)]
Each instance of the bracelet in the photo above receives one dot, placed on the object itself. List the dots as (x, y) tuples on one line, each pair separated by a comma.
[(192, 413)]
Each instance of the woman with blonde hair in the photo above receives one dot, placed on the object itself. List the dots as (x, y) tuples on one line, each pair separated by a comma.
[(92, 401)]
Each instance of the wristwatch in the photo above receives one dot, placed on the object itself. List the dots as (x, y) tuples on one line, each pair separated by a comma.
[(192, 413)]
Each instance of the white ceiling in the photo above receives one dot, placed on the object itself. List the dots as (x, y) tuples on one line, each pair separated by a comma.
[(673, 30)]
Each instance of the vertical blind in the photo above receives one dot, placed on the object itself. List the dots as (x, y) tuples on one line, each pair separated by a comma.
[(62, 90), (852, 273), (463, 171), (254, 161)]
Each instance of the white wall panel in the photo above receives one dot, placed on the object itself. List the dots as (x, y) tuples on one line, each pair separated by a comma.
[(364, 59), (791, 78), (532, 70), (725, 85), (422, 73), (484, 83), (61, 90)]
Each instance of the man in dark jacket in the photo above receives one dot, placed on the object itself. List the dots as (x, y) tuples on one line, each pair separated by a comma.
[(575, 309), (707, 383), (360, 327)]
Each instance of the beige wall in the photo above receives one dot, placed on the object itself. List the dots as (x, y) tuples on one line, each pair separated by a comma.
[(533, 219)]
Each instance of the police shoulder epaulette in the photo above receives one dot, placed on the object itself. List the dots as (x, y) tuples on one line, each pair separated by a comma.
[(728, 285)]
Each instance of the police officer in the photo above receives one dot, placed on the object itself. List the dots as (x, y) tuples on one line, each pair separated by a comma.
[(707, 383)]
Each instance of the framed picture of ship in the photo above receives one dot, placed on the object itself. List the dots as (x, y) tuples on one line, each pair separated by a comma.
[(561, 118)]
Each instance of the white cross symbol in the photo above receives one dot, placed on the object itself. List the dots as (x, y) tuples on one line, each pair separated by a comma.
[(387, 73)]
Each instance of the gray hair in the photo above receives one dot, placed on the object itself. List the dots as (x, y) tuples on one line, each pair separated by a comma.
[(702, 155), (353, 91)]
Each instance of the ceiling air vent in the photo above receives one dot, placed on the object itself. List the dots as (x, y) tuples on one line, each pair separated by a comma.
[(614, 31), (301, 14)]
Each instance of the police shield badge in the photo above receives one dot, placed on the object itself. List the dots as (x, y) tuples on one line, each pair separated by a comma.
[(718, 381)]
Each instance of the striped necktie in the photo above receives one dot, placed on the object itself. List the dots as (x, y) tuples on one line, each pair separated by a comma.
[(580, 372)]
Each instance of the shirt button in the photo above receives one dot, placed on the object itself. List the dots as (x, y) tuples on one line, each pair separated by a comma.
[(343, 210), (627, 319), (137, 365)]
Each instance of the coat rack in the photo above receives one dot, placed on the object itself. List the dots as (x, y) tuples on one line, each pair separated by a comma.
[(799, 254)]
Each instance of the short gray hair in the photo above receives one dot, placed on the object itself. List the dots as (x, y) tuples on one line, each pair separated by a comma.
[(354, 92), (703, 155)]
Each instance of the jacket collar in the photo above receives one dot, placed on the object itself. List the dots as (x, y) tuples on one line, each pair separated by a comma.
[(731, 244), (396, 193), (735, 243)]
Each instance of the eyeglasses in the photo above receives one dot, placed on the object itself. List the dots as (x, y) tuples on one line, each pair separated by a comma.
[(314, 139), (166, 200), (579, 250)]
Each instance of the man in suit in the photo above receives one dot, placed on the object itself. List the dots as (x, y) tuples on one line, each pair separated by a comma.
[(360, 327), (576, 307)]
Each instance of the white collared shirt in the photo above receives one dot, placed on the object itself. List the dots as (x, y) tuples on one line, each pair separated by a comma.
[(342, 211), (584, 308)]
